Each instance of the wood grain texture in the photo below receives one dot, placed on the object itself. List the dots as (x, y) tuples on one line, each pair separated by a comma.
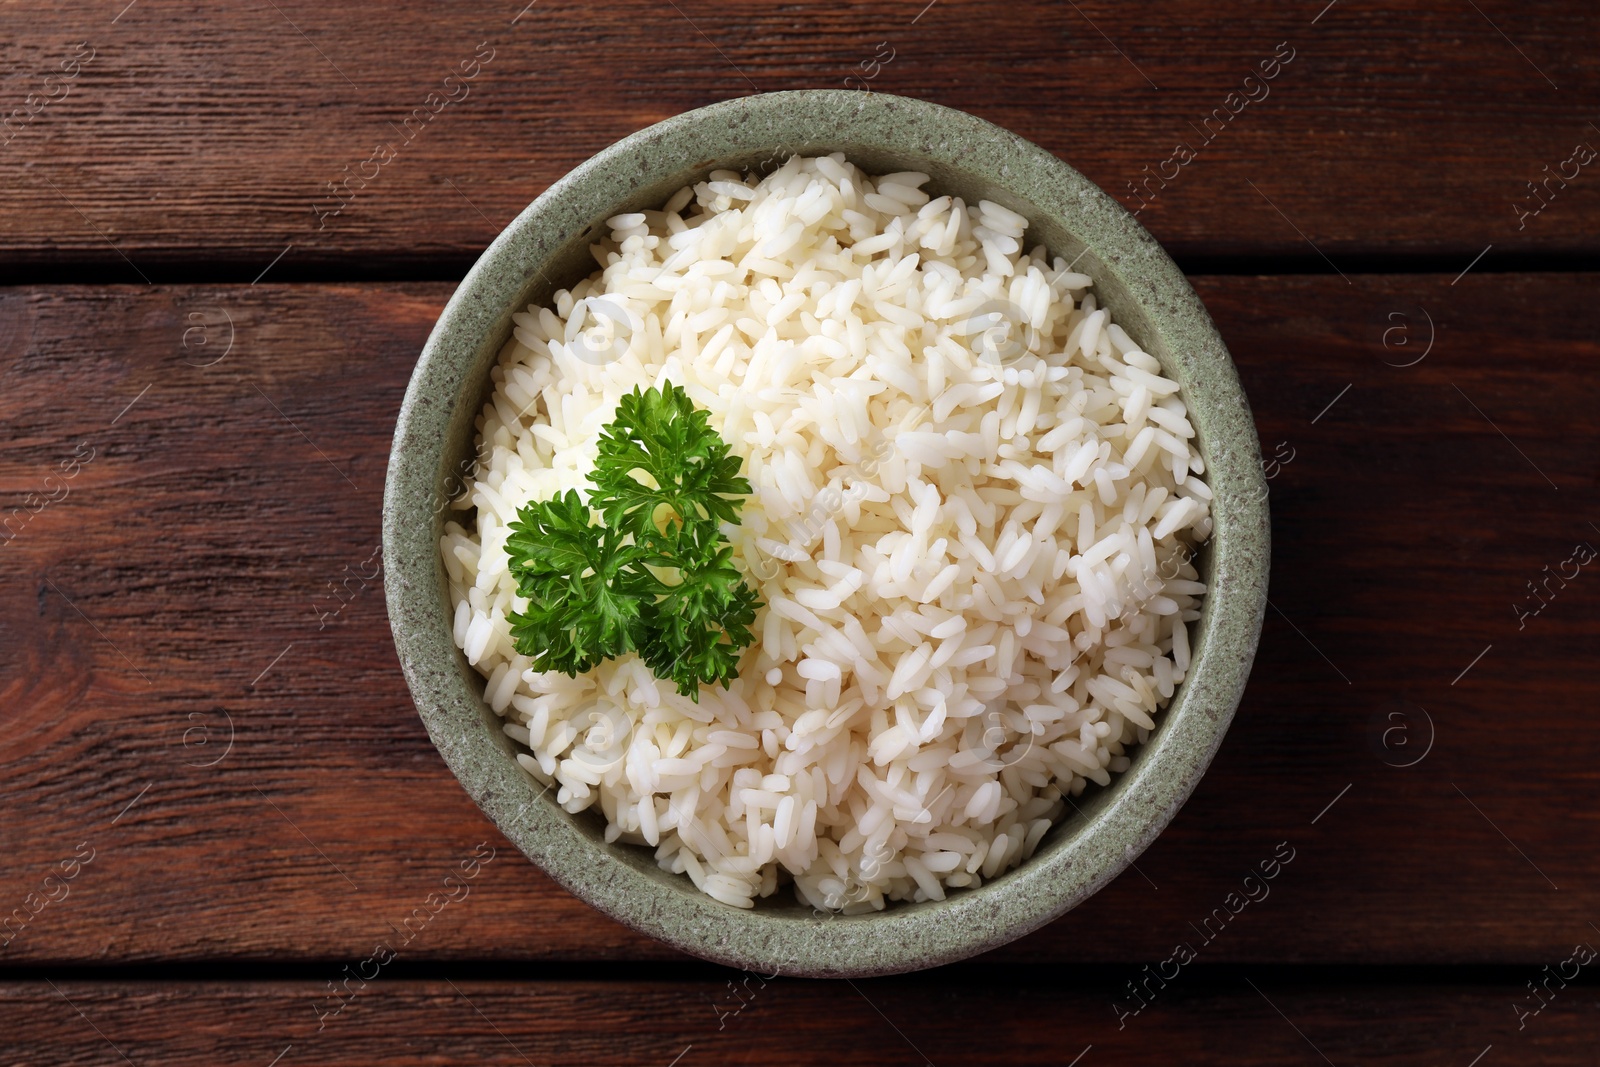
[(185, 137), (1241, 1020), (197, 685)]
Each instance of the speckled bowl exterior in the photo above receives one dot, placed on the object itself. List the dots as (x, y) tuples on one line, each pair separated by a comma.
[(545, 248)]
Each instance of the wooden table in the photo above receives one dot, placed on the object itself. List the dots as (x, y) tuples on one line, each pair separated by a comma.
[(217, 797)]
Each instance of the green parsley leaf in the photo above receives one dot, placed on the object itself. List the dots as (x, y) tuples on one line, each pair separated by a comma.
[(680, 636), (582, 599), (663, 435), (656, 576)]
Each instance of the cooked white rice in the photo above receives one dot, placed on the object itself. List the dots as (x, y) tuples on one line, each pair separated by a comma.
[(973, 542)]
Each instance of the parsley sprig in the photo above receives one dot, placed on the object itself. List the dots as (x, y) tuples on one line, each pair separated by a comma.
[(655, 576)]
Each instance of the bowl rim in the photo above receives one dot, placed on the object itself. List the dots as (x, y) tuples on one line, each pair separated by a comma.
[(1142, 799)]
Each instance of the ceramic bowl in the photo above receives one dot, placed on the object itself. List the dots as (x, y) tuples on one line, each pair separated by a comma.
[(545, 248)]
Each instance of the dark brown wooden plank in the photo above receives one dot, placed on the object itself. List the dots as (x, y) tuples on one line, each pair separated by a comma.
[(999, 1021), (197, 135), (183, 583)]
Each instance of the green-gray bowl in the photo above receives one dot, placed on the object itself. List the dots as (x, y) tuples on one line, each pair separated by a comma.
[(546, 248)]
